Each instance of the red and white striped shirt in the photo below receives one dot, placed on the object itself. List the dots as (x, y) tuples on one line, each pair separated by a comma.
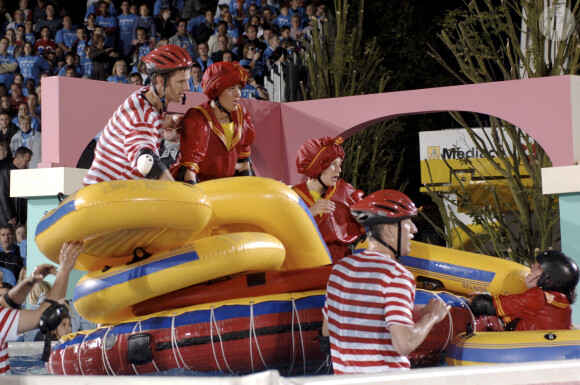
[(134, 126), (8, 333), (366, 293)]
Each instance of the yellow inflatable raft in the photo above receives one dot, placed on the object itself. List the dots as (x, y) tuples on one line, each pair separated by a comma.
[(107, 296), (113, 218), (511, 347), (266, 205), (461, 272)]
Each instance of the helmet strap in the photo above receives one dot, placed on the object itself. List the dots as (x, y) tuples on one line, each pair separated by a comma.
[(221, 108), (161, 97), (380, 239)]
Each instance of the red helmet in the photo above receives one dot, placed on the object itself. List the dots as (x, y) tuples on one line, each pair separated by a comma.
[(385, 206), (165, 59)]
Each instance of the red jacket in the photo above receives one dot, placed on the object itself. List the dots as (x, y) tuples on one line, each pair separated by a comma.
[(203, 144), (339, 228), (535, 309)]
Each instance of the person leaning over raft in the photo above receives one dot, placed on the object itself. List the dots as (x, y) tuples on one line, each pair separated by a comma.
[(14, 320), (217, 135), (128, 146), (546, 305), (328, 197), (370, 295)]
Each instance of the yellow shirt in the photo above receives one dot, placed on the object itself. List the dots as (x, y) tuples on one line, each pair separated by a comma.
[(229, 133)]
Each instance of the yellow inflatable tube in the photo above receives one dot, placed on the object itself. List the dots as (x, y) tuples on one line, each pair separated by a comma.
[(107, 296), (113, 218), (512, 347), (266, 205), (461, 272)]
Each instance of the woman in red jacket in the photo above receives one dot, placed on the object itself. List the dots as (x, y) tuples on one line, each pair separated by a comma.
[(328, 197), (217, 135)]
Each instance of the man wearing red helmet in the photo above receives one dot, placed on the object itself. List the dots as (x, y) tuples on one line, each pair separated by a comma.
[(546, 305), (370, 295), (217, 135), (328, 197), (128, 146)]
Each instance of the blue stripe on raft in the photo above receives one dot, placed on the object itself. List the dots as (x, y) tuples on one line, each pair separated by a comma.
[(60, 212), (203, 316), (423, 297), (448, 269), (305, 207), (512, 355), (93, 285)]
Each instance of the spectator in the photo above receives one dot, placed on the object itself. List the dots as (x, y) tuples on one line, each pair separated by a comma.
[(90, 26), (184, 40), (233, 32), (32, 65), (145, 21), (228, 56), (278, 56), (64, 328), (189, 9), (18, 321), (251, 36), (222, 41), (10, 258), (195, 79), (221, 29), (252, 11), (169, 150), (8, 64), (253, 90), (273, 43), (283, 19), (141, 46), (295, 28), (45, 44), (13, 210), (16, 97), (27, 12), (159, 6), (204, 60), (66, 36), (23, 110), (5, 105), (17, 20), (30, 139), (296, 9), (136, 79), (119, 73), (29, 31), (101, 58), (164, 26), (5, 153), (252, 59), (80, 43), (95, 9), (109, 24), (20, 36), (207, 28), (125, 22), (39, 12), (34, 105), (50, 20), (194, 23), (69, 61), (21, 241), (370, 295)]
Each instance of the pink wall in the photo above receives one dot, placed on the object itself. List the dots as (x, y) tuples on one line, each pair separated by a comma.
[(74, 110)]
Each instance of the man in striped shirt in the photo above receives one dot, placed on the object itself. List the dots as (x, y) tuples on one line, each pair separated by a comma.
[(129, 145), (368, 310), (13, 320)]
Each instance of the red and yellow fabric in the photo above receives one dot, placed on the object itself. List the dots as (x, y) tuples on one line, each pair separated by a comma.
[(339, 228), (316, 155), (535, 310), (205, 147), (221, 76)]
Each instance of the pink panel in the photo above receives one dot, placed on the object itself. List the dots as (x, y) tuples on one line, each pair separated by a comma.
[(74, 110)]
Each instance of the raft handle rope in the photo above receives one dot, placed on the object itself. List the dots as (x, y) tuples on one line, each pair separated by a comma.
[(104, 357), (79, 356), (175, 347), (450, 334), (295, 311), (253, 331), (213, 321)]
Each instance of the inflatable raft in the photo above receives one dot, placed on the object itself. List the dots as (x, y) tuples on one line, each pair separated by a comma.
[(512, 347), (461, 272), (235, 337)]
